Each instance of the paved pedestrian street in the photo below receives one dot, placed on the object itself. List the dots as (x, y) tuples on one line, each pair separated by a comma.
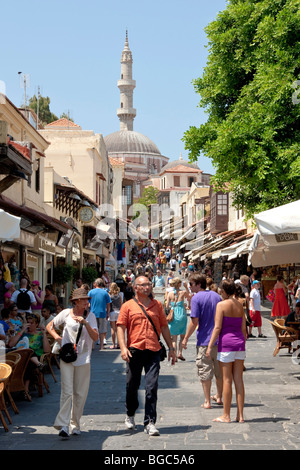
[(272, 413)]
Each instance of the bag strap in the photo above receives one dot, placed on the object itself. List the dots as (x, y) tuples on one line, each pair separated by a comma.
[(176, 300), (80, 328), (147, 317)]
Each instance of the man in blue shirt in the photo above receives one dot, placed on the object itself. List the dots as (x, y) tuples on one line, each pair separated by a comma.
[(158, 280), (202, 318), (100, 305)]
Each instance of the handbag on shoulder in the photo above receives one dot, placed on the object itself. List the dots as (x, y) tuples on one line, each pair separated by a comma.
[(68, 352), (170, 316)]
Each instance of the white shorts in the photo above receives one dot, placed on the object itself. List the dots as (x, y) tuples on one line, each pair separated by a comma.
[(113, 316), (231, 356)]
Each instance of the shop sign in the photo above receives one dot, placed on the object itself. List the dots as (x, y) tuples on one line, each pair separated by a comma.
[(286, 237), (46, 245)]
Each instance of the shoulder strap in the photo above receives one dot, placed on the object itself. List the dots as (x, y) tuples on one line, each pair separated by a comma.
[(176, 299), (80, 328), (147, 317)]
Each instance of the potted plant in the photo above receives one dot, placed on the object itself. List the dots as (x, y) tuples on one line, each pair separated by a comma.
[(63, 273)]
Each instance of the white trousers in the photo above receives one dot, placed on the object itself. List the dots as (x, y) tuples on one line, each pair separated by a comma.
[(75, 381)]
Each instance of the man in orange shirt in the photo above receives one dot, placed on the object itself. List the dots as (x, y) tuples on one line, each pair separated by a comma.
[(142, 350)]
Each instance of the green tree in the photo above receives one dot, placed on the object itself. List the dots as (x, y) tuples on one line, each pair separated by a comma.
[(45, 115), (66, 116), (248, 91), (149, 196)]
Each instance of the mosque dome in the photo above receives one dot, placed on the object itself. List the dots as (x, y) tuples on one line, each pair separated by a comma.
[(130, 142)]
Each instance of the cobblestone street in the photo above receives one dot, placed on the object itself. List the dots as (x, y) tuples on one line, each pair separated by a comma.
[(272, 411)]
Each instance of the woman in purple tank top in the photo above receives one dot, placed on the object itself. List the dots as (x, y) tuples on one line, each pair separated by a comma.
[(230, 330)]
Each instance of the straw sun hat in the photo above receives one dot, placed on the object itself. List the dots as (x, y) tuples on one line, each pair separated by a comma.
[(78, 294)]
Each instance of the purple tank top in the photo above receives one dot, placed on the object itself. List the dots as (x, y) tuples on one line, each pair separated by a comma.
[(231, 337)]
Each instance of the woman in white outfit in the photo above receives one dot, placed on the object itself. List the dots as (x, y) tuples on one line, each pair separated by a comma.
[(75, 376)]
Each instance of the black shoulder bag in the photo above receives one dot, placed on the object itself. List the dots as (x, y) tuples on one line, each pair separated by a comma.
[(68, 352), (162, 352)]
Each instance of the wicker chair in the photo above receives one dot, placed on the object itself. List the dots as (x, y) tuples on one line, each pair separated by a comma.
[(12, 361), (39, 379), (48, 357), (17, 382), (5, 373), (285, 337)]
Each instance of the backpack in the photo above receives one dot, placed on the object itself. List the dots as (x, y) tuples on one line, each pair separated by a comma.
[(23, 300)]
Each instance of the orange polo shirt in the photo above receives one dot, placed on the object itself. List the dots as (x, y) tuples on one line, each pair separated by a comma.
[(140, 332)]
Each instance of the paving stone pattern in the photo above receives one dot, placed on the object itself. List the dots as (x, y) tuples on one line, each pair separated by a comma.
[(272, 411)]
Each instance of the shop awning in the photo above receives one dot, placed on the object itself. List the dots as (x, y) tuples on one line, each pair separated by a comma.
[(9, 226), (277, 239), (214, 247), (234, 251), (32, 220)]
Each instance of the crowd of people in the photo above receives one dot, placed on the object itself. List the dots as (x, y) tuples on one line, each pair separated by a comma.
[(223, 317)]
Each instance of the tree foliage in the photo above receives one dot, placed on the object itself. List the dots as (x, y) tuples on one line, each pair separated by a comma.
[(66, 116), (149, 196), (45, 115), (248, 91)]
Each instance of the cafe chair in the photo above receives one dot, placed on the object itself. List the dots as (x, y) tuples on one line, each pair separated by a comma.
[(5, 373), (12, 361), (17, 381), (39, 380), (284, 336), (50, 357)]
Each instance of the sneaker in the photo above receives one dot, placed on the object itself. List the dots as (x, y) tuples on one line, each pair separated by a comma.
[(129, 421), (64, 432), (261, 336), (76, 432), (251, 336), (151, 429)]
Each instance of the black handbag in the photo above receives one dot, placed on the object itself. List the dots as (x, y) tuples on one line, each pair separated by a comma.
[(162, 351), (68, 352)]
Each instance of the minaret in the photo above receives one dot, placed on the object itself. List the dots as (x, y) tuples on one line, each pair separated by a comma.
[(126, 113)]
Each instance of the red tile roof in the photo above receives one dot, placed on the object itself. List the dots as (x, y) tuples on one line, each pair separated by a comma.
[(63, 122), (181, 169), (22, 149)]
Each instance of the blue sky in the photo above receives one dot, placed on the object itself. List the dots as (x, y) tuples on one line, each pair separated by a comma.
[(72, 51)]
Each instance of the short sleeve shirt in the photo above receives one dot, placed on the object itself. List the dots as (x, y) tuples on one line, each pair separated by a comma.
[(203, 307), (99, 298), (255, 295), (70, 331), (15, 296), (140, 332)]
